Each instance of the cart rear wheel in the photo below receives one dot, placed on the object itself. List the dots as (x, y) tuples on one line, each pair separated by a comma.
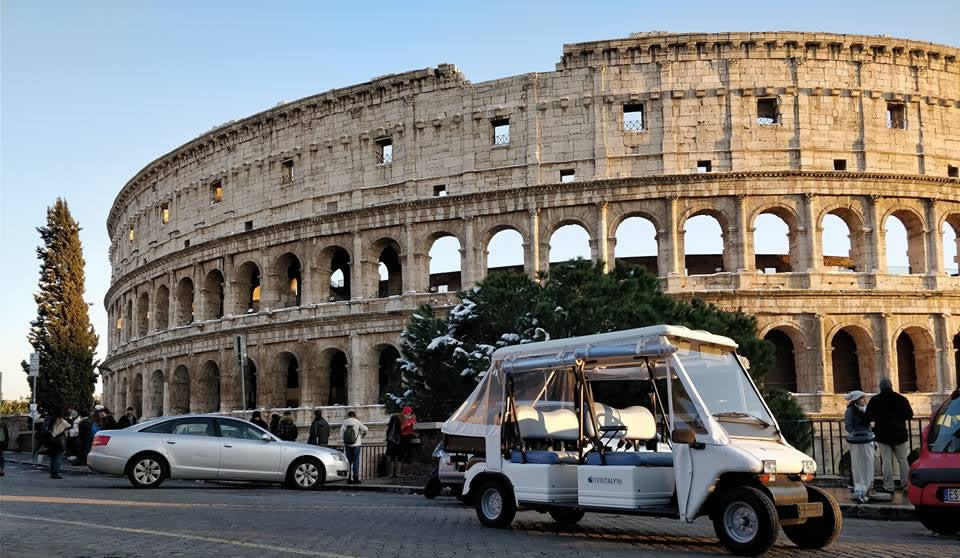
[(817, 532), (567, 518), (495, 504), (746, 521)]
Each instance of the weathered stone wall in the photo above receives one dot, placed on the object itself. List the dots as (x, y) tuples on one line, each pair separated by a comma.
[(699, 96)]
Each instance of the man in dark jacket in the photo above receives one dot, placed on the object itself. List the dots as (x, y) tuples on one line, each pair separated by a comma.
[(255, 418), (319, 430), (287, 429), (889, 411), (128, 419), (85, 430)]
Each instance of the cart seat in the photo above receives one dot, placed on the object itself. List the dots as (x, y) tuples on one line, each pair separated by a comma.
[(542, 457), (559, 424), (634, 458), (639, 421)]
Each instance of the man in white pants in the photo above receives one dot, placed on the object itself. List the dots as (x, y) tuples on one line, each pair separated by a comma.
[(889, 411)]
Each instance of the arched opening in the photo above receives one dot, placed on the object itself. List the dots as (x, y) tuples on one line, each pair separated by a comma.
[(569, 242), (163, 308), (287, 376), (180, 391), (248, 288), (388, 374), (143, 314), (128, 320), (390, 271), (122, 399), (851, 360), (773, 250), (906, 364), (445, 262), (842, 241), (250, 378), (290, 280), (338, 379), (636, 243), (703, 244), (136, 396), (156, 393), (206, 394), (213, 295), (185, 302), (903, 243), (335, 261), (784, 373), (916, 360), (951, 245), (505, 252)]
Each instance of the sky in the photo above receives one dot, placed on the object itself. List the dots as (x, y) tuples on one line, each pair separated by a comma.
[(90, 92)]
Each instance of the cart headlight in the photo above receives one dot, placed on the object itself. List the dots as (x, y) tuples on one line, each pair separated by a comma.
[(809, 468), (769, 466)]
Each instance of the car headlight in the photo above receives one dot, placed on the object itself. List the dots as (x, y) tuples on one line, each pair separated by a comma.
[(337, 456)]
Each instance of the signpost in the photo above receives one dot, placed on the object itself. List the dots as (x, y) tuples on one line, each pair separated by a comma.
[(33, 372), (240, 350)]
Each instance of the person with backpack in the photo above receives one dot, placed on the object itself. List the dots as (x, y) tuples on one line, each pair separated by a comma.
[(57, 426), (890, 413), (319, 430), (352, 432), (286, 429), (860, 438), (407, 436)]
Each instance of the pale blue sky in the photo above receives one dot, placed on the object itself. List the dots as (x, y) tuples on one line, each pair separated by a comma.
[(92, 91)]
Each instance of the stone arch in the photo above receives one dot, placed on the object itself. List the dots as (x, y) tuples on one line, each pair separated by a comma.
[(333, 273), (852, 353), (916, 360), (156, 394), (128, 325), (123, 398), (697, 261), (180, 390), (915, 240), (184, 298), (635, 236), (387, 253), (832, 244), (790, 350), (950, 237), (247, 279), (334, 366), (143, 314), (250, 384), (569, 239), (388, 373), (136, 395), (780, 248), (205, 391), (213, 303), (445, 262), (289, 280), (503, 250), (162, 304), (286, 381)]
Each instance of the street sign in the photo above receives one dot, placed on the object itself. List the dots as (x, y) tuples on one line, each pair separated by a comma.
[(34, 365)]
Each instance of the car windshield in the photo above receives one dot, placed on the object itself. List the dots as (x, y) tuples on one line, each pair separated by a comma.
[(725, 389), (944, 434)]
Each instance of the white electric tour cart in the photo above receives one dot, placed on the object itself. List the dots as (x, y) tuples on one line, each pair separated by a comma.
[(659, 421)]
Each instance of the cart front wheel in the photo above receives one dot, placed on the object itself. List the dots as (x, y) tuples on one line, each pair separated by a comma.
[(746, 521), (495, 505), (567, 518), (817, 532)]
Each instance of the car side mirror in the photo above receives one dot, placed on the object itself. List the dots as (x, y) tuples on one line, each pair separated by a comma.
[(683, 436)]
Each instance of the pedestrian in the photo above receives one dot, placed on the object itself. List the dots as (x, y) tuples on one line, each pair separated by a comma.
[(860, 438), (85, 435), (4, 440), (275, 424), (407, 435), (394, 449), (57, 426), (73, 436), (287, 429), (255, 419), (889, 411), (109, 422), (128, 419), (319, 430), (352, 432)]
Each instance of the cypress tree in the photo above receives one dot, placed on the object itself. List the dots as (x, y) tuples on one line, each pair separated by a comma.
[(62, 334)]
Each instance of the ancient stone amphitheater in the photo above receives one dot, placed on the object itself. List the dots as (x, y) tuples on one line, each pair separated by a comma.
[(306, 230)]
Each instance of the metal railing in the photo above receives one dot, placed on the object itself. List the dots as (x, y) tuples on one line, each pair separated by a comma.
[(502, 139), (633, 125), (373, 460), (830, 449)]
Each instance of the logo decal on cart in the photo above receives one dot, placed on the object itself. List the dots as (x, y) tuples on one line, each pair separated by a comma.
[(604, 480)]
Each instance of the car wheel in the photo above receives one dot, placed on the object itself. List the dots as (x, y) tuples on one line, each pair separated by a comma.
[(939, 520), (746, 521), (567, 518), (495, 505), (817, 532), (306, 473), (146, 470)]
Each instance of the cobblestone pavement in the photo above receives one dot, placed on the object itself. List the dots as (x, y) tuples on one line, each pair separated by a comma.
[(94, 516)]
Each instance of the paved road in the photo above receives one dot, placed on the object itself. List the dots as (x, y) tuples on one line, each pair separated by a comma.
[(94, 516)]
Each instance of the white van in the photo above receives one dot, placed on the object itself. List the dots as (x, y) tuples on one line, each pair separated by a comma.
[(659, 421)]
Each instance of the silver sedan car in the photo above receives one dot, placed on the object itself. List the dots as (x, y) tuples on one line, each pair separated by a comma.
[(211, 447)]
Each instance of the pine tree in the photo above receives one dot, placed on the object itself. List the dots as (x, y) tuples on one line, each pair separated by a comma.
[(62, 334)]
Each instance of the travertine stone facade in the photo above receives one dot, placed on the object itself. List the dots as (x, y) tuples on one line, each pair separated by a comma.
[(241, 231)]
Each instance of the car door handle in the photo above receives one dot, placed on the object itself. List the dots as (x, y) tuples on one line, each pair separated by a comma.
[(171, 442), (227, 446)]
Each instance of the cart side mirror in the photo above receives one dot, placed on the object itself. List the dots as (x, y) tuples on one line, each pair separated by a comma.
[(683, 436)]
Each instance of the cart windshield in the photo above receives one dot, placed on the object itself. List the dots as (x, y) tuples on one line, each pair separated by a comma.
[(726, 389)]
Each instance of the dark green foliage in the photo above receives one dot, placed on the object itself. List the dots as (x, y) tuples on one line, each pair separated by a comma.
[(61, 333), (791, 418)]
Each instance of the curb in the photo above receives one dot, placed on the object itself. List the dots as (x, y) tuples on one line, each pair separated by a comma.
[(67, 469), (878, 513), (383, 488)]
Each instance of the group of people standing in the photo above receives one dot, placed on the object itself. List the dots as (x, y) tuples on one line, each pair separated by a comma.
[(69, 433), (889, 413)]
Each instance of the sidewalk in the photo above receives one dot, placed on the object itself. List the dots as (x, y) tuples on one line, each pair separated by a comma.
[(897, 508), (27, 459)]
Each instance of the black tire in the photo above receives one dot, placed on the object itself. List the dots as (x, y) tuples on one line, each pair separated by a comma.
[(567, 518), (939, 520), (746, 521), (433, 487), (495, 504), (817, 532), (306, 473), (147, 470)]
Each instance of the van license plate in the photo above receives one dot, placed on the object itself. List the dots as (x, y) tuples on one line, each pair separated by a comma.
[(951, 495)]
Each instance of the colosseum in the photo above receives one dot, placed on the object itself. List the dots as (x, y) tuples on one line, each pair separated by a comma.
[(308, 231)]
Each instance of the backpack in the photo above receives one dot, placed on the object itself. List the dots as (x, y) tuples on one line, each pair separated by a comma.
[(288, 430), (349, 435)]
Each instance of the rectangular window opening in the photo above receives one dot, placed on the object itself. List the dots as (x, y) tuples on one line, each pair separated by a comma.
[(839, 164), (767, 111), (164, 213), (897, 116), (216, 192), (331, 207), (286, 171), (952, 171), (568, 175), (248, 225), (186, 243), (633, 120), (384, 151), (704, 166), (440, 190), (501, 131), (133, 234)]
